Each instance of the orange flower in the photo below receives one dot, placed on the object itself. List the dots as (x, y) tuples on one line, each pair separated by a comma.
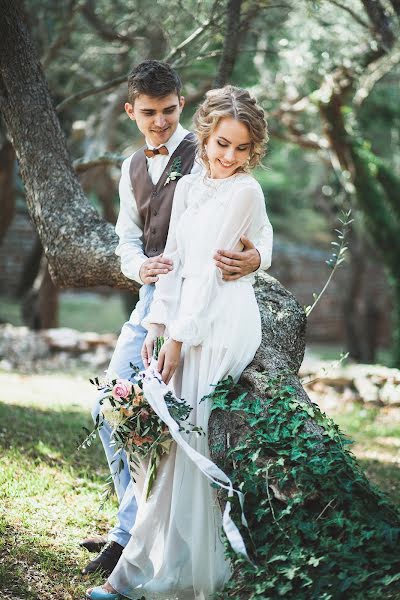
[(127, 412), (138, 440), (138, 398)]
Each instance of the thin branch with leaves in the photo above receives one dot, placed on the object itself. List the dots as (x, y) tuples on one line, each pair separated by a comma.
[(337, 257)]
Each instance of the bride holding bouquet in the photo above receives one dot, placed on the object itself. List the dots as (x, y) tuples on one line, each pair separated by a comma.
[(212, 329)]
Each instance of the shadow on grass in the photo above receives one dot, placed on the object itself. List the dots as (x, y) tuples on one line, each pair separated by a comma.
[(53, 437), (31, 570), (384, 475), (50, 436)]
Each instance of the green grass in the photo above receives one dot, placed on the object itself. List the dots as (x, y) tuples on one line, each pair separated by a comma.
[(82, 311), (376, 432), (50, 492)]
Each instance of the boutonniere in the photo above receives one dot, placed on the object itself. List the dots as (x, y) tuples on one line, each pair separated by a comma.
[(174, 170)]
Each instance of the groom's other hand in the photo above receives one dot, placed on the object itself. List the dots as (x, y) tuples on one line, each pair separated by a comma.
[(153, 267), (235, 265)]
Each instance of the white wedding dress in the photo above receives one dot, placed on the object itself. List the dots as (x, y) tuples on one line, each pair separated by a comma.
[(176, 551)]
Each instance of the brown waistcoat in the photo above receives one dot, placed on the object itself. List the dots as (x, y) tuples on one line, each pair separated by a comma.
[(154, 202)]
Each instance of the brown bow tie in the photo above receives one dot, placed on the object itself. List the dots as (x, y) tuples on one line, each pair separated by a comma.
[(161, 150)]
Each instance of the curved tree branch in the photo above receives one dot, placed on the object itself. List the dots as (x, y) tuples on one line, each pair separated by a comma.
[(113, 83), (106, 32), (108, 85), (81, 165), (351, 12), (62, 36), (78, 244), (177, 51), (374, 73)]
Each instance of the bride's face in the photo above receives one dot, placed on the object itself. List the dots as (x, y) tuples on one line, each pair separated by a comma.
[(228, 148)]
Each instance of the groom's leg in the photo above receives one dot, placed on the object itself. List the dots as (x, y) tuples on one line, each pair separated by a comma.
[(128, 350)]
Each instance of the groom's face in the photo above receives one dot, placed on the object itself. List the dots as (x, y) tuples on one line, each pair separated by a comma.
[(156, 118)]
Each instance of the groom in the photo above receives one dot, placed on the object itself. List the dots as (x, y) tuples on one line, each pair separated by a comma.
[(146, 192)]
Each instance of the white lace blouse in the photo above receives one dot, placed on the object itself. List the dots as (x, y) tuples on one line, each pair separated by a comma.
[(207, 215)]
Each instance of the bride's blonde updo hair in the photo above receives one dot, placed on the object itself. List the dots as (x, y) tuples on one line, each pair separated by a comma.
[(235, 102)]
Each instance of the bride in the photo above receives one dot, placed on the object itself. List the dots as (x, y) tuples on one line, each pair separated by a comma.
[(213, 330)]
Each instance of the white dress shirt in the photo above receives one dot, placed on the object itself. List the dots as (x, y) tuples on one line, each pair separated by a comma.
[(129, 226)]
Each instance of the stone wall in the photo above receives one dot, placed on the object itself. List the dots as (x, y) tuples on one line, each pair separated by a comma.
[(303, 270)]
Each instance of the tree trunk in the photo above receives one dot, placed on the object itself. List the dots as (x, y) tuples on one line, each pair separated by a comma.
[(7, 188), (31, 268), (380, 23), (281, 353), (231, 44), (40, 304), (78, 244), (396, 6), (373, 185)]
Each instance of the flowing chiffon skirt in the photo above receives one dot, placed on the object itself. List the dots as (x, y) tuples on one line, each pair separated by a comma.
[(176, 550)]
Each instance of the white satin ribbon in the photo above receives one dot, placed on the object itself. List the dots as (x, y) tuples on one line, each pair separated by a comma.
[(154, 391)]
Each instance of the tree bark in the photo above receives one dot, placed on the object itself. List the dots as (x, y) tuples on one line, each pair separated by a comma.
[(7, 188), (281, 353), (78, 244)]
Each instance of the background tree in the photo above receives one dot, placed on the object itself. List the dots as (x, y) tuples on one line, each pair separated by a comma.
[(328, 102)]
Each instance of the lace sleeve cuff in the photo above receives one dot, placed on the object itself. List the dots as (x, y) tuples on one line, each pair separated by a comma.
[(157, 314), (189, 330)]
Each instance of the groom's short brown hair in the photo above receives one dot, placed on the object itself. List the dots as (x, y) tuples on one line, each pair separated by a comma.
[(153, 78)]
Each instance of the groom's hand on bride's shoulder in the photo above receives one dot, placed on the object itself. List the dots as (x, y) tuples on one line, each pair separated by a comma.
[(235, 265), (153, 267)]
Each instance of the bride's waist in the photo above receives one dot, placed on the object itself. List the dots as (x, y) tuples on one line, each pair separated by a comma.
[(194, 277)]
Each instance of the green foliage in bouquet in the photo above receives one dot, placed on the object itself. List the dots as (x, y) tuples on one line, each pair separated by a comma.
[(136, 428), (318, 529)]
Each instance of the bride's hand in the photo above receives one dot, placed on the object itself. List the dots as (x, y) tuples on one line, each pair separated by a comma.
[(153, 333), (168, 359)]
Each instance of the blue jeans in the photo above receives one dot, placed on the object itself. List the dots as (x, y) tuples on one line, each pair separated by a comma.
[(127, 351)]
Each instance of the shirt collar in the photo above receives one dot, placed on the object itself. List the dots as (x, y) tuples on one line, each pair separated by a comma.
[(173, 141)]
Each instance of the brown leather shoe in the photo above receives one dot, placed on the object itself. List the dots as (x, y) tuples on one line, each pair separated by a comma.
[(94, 543), (106, 561)]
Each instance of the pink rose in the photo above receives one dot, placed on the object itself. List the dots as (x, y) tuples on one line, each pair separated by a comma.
[(122, 389)]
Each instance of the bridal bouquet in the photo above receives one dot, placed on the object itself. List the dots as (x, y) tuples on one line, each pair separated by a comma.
[(136, 428)]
